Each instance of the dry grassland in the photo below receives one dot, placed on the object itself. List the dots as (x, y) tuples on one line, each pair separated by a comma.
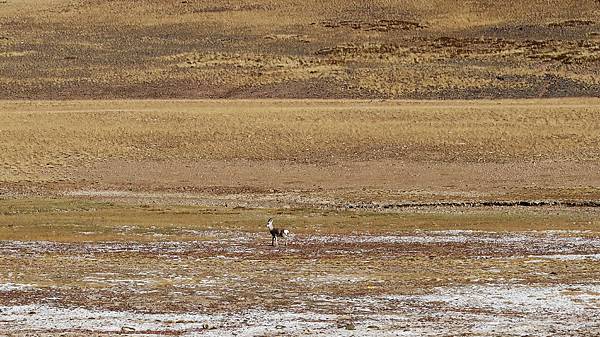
[(326, 150), (420, 218), (64, 49), (144, 215)]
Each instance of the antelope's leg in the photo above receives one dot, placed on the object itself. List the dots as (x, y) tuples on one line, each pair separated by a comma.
[(273, 240)]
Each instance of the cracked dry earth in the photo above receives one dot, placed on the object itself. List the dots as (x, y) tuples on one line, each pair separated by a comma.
[(148, 281)]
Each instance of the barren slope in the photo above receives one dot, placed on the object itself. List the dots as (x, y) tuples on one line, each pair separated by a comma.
[(272, 48)]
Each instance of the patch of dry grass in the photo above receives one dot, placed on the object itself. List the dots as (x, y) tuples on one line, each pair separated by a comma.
[(76, 220), (48, 140), (302, 152), (132, 49)]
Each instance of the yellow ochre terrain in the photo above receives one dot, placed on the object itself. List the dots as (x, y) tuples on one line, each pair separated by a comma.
[(438, 49), (435, 163)]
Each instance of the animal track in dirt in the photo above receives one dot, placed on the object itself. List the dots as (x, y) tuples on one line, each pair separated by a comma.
[(350, 48), (450, 48), (480, 203), (383, 25), (244, 61), (572, 23), (228, 8), (288, 37)]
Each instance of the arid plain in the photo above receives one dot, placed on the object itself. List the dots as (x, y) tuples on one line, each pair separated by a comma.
[(408, 217), (437, 165)]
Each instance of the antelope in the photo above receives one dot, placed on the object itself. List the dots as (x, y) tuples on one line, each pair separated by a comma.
[(277, 232)]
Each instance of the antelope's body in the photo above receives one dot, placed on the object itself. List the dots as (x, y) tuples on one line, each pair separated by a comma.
[(277, 233)]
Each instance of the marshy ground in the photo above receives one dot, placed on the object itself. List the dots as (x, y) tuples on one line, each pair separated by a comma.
[(72, 267), (432, 218)]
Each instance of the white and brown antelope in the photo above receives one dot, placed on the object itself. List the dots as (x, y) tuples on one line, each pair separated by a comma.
[(277, 233)]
